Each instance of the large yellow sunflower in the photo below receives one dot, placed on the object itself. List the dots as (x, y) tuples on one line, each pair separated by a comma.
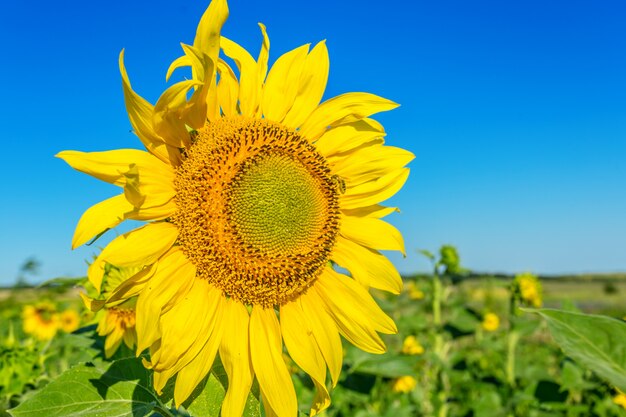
[(252, 190)]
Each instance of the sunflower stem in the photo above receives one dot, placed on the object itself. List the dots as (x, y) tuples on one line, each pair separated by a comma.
[(164, 411)]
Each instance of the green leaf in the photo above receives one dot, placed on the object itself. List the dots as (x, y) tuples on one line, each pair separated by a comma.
[(572, 378), (597, 342), (62, 282), (488, 403), (120, 389), (206, 400), (427, 254), (387, 365)]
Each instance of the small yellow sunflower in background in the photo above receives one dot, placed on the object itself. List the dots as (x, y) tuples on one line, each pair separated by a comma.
[(491, 322), (41, 320), (411, 346), (414, 292), (69, 320), (404, 384), (529, 288), (252, 189)]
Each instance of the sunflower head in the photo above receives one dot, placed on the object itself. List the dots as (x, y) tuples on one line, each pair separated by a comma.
[(117, 324), (411, 346), (404, 384), (252, 191), (69, 320), (41, 320), (258, 210), (528, 288), (490, 322)]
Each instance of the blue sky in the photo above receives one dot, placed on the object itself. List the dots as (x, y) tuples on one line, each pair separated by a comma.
[(516, 112)]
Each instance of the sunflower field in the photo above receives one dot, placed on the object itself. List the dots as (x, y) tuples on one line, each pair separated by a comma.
[(467, 345)]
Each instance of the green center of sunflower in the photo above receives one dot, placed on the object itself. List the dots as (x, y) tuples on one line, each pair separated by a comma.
[(258, 210), (275, 204)]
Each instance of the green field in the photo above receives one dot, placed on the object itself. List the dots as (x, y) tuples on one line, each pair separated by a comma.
[(455, 364)]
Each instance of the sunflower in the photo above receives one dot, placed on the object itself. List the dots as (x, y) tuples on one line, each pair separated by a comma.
[(404, 384), (528, 287), (41, 320), (490, 322), (117, 323), (412, 346), (69, 321), (252, 192)]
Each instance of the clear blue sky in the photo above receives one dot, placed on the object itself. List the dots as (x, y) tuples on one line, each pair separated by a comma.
[(515, 110)]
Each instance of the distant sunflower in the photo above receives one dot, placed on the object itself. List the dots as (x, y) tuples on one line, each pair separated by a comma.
[(69, 321), (41, 320), (404, 384), (528, 287), (252, 189), (490, 322)]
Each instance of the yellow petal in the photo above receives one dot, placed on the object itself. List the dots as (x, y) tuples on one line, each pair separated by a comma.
[(264, 54), (130, 338), (203, 103), (207, 37), (191, 375), (234, 352), (353, 301), (90, 303), (267, 360), (167, 118), (113, 341), (357, 331), (109, 166), (367, 266), (281, 86), (348, 136), (131, 287), (335, 110), (147, 189), (375, 191), (227, 89), (99, 218), (181, 61), (376, 211), (311, 86), (304, 351), (142, 246), (204, 100), (187, 326), (171, 281), (325, 332), (370, 163), (249, 87), (139, 247), (140, 113), (269, 412), (372, 233), (159, 378)]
